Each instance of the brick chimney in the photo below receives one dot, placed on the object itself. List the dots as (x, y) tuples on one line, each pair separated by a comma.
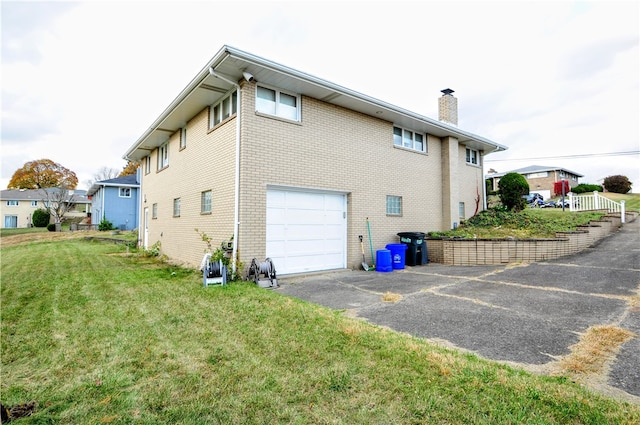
[(448, 107)]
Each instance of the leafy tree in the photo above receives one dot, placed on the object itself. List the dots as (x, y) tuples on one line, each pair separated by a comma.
[(129, 169), (40, 218), (41, 174), (617, 184), (513, 187), (58, 202)]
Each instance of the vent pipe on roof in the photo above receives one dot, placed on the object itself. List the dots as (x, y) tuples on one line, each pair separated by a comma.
[(448, 107)]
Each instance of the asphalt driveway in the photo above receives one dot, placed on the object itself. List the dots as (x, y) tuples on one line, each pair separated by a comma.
[(526, 314)]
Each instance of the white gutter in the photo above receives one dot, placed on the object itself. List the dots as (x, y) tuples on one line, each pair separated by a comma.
[(236, 201)]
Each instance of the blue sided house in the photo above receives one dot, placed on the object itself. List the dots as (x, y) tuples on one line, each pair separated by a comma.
[(117, 200)]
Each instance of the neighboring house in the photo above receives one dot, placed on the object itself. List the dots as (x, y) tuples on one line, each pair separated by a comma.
[(291, 166), (117, 200), (541, 179), (17, 205)]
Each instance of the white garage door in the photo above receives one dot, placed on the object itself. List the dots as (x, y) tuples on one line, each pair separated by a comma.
[(306, 231)]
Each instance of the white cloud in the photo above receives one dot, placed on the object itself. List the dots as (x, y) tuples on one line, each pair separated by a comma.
[(81, 82)]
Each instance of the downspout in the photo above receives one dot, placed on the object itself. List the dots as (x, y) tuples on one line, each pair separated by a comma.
[(236, 201), (104, 190)]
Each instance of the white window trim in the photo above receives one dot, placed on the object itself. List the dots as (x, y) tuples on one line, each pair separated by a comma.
[(34, 203), (176, 207), (217, 115), (127, 191), (154, 211), (413, 139), (163, 156), (469, 157), (202, 203), (277, 113), (147, 164), (183, 137)]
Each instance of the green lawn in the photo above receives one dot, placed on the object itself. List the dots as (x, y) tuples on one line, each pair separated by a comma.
[(96, 335)]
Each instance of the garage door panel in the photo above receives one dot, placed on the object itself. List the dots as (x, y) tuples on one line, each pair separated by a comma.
[(306, 231)]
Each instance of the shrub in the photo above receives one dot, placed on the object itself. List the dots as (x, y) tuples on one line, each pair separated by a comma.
[(617, 184), (51, 227), (105, 225), (585, 187), (513, 187), (40, 218)]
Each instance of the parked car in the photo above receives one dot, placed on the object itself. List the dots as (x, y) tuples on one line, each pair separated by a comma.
[(534, 196)]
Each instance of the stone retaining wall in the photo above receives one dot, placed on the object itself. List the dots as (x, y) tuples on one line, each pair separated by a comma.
[(471, 252)]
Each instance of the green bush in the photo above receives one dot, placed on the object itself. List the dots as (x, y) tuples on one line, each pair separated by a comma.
[(40, 218), (51, 227), (105, 225), (585, 187), (513, 187)]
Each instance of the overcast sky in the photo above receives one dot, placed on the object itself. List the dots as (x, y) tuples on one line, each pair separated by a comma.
[(551, 80)]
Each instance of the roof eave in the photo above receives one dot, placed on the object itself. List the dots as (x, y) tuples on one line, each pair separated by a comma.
[(138, 151)]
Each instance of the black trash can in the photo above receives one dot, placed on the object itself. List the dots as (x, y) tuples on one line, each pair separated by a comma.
[(416, 249)]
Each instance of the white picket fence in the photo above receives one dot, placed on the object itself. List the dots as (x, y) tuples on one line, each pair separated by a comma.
[(595, 202)]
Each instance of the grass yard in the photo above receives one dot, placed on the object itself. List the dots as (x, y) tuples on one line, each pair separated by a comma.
[(96, 335)]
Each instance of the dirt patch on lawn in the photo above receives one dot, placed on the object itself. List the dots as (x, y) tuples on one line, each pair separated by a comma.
[(27, 238)]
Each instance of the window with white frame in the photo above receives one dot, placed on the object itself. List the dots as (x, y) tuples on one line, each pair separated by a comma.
[(176, 207), (394, 205), (275, 102), (539, 175), (409, 139), (183, 137), (154, 211), (163, 156), (124, 192), (147, 164), (34, 203), (461, 210), (472, 156), (205, 202), (12, 203), (223, 109)]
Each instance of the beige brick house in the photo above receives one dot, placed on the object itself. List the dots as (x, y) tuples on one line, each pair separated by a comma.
[(17, 206), (291, 166), (541, 178)]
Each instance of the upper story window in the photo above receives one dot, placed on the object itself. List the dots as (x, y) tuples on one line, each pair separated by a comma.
[(154, 211), (12, 203), (125, 192), (278, 103), (223, 109), (34, 203), (541, 174), (163, 156), (472, 156), (409, 139), (147, 164), (183, 137)]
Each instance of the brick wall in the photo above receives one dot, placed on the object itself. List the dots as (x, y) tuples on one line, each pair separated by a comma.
[(466, 252)]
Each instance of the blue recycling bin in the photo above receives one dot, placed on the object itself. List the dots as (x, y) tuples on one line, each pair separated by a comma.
[(383, 261), (398, 254)]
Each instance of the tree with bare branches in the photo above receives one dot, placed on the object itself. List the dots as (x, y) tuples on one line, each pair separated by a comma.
[(58, 201)]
